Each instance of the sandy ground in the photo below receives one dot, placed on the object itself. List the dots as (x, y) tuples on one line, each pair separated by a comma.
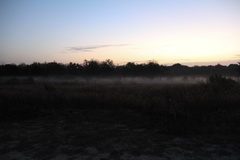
[(63, 139)]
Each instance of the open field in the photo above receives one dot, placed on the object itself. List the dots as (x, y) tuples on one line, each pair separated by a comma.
[(107, 80), (102, 120)]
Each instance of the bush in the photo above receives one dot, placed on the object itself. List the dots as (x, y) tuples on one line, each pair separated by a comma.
[(218, 82)]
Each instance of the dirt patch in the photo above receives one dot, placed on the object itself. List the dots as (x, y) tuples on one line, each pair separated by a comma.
[(62, 137)]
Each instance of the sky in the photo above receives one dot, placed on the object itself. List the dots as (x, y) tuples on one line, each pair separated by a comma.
[(190, 32)]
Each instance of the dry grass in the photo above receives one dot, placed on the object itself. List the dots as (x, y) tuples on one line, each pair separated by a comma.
[(119, 120), (178, 108)]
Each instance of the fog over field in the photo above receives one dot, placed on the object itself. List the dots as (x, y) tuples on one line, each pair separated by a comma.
[(143, 80), (115, 80)]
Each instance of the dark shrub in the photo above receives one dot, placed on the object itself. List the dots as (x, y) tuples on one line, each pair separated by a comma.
[(219, 82)]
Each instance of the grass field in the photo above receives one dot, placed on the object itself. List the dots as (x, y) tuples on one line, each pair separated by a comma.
[(214, 103), (99, 115)]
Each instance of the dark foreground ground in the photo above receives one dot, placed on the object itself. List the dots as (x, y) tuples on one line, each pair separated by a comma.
[(60, 138), (119, 121)]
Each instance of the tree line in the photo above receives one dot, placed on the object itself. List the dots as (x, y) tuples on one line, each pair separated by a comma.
[(108, 68)]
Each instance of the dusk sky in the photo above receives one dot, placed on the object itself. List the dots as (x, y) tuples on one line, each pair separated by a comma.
[(168, 31)]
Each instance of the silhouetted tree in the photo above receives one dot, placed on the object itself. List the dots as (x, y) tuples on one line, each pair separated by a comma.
[(91, 67), (55, 68), (238, 69), (234, 69), (107, 66), (178, 69), (36, 69), (9, 69), (153, 68), (130, 68), (74, 69)]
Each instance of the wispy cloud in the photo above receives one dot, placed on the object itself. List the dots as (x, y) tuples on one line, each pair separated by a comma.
[(237, 56), (93, 47)]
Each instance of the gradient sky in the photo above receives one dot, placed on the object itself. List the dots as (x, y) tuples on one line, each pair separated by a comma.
[(168, 31)]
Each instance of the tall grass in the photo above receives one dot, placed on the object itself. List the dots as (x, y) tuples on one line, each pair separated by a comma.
[(173, 107)]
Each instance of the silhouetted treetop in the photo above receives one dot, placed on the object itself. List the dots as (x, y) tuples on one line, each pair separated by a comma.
[(108, 68)]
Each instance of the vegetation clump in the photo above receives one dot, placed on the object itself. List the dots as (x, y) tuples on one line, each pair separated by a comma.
[(220, 82)]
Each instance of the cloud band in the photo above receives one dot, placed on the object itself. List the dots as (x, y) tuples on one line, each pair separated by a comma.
[(93, 47)]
